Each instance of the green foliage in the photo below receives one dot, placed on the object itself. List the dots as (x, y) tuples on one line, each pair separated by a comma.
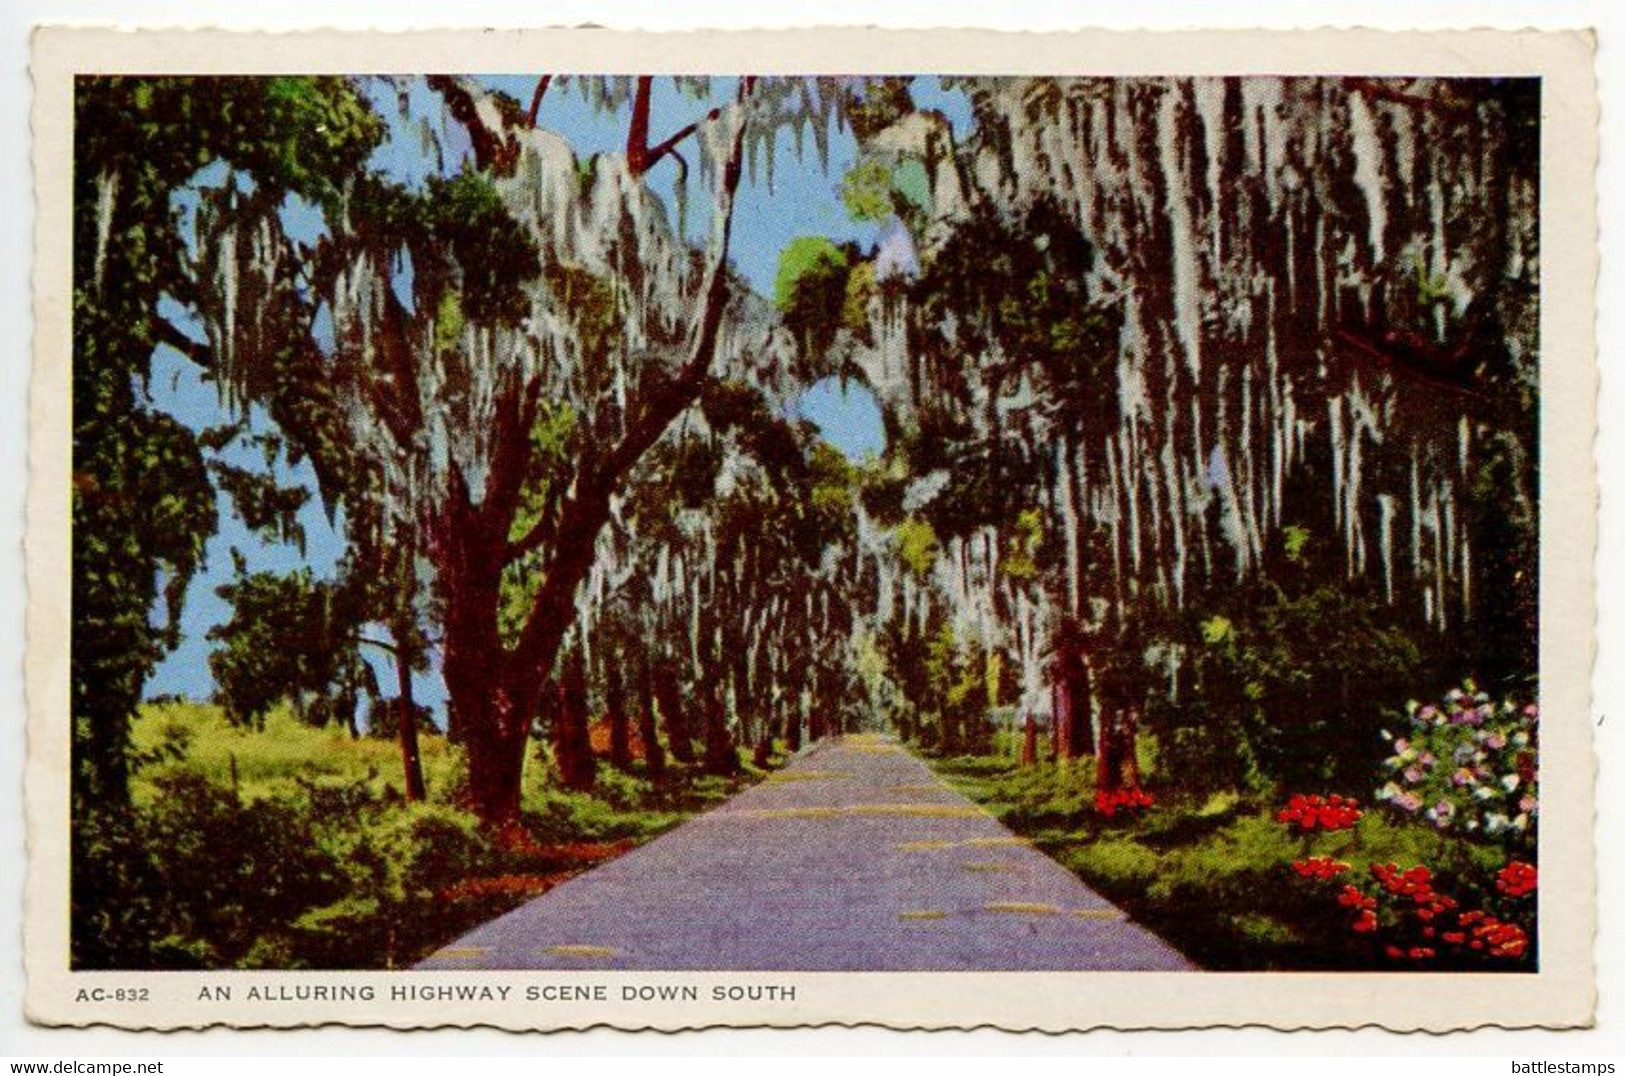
[(1295, 540), (490, 255), (802, 255), (448, 323), (1285, 682), (917, 546), (867, 190), (1019, 287), (1021, 548), (142, 503), (813, 291), (293, 847), (195, 881), (954, 701), (265, 505), (289, 637)]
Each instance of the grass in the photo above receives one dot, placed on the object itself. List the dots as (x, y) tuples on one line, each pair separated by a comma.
[(197, 738), (1208, 872)]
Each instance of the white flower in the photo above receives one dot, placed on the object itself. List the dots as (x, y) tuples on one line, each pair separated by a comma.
[(1509, 782)]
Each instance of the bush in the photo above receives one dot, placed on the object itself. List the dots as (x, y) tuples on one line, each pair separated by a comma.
[(295, 848), (194, 880), (1468, 766)]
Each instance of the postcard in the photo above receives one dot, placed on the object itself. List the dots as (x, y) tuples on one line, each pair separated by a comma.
[(574, 528)]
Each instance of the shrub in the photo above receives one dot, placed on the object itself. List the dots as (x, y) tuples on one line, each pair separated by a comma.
[(1468, 766)]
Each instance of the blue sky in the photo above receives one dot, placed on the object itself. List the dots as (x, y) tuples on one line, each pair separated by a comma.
[(803, 199)]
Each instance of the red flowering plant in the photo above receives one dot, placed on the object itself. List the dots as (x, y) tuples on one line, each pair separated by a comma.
[(1411, 922), (1130, 801), (1326, 813), (1308, 815), (1394, 916)]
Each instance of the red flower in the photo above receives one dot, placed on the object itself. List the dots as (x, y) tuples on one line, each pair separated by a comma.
[(1109, 802), (1365, 923), (1321, 867), (1500, 939), (1308, 813), (1516, 879)]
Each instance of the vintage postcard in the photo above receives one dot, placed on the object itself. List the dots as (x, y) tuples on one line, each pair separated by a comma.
[(571, 528)]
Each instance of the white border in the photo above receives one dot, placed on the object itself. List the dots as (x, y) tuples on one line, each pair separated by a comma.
[(14, 232)]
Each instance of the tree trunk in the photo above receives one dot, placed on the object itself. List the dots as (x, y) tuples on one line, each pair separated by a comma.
[(496, 760), (670, 696), (654, 756), (572, 741), (745, 710), (792, 727), (620, 723), (721, 757), (1080, 705), (764, 749), (406, 716), (1074, 704), (495, 689), (1029, 741)]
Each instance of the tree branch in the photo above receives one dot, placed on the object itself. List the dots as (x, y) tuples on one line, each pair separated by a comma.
[(669, 146), (536, 99), (367, 640), (637, 131), (167, 333), (586, 510), (1380, 90), (640, 156)]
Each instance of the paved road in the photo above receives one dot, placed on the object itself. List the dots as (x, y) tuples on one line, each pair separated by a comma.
[(854, 857)]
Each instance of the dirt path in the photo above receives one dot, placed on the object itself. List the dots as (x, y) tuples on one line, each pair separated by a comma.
[(854, 857)]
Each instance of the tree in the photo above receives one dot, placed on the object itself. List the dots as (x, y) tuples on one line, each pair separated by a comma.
[(142, 501), (290, 638), (511, 319)]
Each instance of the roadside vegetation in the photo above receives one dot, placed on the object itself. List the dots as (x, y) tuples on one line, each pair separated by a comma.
[(292, 846), (1243, 880)]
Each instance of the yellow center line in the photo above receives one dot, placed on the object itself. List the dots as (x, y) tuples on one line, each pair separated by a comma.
[(1021, 908), (582, 950), (792, 776)]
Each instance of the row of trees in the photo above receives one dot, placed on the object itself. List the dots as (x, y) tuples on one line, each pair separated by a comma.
[(1206, 400), (484, 368), (1211, 408)]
